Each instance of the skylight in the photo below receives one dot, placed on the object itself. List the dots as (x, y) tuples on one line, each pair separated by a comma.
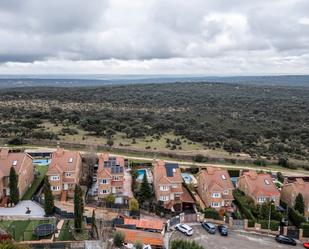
[(223, 177), (266, 182), (14, 163), (70, 160)]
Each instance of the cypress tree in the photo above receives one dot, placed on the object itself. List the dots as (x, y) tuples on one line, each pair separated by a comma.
[(78, 208), (13, 182), (94, 229), (145, 190), (299, 204), (49, 198)]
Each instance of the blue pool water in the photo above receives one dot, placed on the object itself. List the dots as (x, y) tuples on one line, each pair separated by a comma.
[(187, 177), (141, 173), (41, 162)]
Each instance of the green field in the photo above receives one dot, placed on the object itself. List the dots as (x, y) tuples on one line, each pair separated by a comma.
[(22, 229), (36, 183)]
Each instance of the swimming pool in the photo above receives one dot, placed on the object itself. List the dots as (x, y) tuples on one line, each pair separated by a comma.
[(41, 162), (189, 178), (141, 173)]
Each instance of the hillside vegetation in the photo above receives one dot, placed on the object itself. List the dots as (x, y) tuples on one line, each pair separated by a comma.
[(262, 121)]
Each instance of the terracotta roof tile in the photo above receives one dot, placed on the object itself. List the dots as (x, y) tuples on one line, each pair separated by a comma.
[(146, 224)]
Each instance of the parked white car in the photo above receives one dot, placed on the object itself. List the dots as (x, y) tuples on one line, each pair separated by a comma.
[(185, 229)]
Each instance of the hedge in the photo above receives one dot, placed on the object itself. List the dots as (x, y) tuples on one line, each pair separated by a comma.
[(274, 225), (211, 213), (238, 198), (305, 227), (184, 244), (251, 223), (296, 218)]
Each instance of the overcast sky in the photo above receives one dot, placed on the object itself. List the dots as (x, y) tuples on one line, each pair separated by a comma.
[(211, 37)]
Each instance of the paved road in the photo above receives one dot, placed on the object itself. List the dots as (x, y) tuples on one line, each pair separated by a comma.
[(235, 240)]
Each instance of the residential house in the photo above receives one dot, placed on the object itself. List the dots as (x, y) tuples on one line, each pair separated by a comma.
[(111, 177), (259, 187), (167, 181), (216, 188), (64, 171), (22, 163), (290, 190)]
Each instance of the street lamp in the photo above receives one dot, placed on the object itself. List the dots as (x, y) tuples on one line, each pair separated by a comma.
[(269, 215)]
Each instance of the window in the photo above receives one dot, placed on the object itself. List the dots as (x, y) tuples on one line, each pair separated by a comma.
[(104, 191), (215, 204), (174, 186), (116, 178), (164, 198), (70, 160), (14, 163), (215, 195), (104, 181), (55, 178), (164, 188), (226, 192), (261, 199), (67, 174), (55, 188)]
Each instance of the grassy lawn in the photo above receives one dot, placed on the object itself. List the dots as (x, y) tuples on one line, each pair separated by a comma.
[(22, 229), (66, 233), (36, 183)]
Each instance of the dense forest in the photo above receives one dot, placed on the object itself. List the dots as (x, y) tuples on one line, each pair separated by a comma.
[(268, 121)]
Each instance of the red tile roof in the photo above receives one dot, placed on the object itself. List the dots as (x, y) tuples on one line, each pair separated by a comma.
[(260, 184), (146, 224), (11, 159)]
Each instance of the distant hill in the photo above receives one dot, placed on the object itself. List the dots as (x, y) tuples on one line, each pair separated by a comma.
[(11, 81)]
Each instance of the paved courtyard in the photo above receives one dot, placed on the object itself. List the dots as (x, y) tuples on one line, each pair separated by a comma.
[(235, 240), (21, 208)]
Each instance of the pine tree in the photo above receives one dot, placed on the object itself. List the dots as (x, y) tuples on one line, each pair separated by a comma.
[(145, 190), (49, 198), (13, 182), (78, 209), (299, 204)]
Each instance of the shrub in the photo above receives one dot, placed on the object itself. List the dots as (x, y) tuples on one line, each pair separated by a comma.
[(274, 225), (305, 227), (251, 223), (118, 239), (200, 158), (211, 213), (244, 204), (296, 218), (184, 244)]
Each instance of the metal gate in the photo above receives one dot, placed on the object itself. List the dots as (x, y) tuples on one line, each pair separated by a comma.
[(189, 218), (238, 224), (293, 232)]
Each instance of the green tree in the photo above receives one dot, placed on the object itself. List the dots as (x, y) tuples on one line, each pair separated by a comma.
[(118, 239), (280, 177), (48, 198), (133, 205), (94, 228), (13, 182), (145, 190), (78, 209), (110, 199), (138, 245), (299, 204)]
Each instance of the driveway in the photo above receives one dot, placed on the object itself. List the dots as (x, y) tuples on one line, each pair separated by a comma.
[(20, 210), (235, 240)]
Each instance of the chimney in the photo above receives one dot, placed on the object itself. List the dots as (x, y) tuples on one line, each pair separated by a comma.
[(253, 174), (4, 153)]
